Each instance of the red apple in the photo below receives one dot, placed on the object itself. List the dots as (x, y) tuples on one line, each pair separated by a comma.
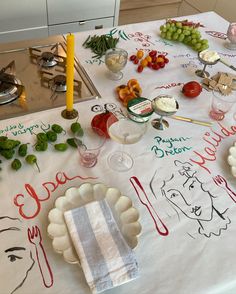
[(192, 89)]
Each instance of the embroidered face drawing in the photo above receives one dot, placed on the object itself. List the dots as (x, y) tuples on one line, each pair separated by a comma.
[(186, 199), (186, 194), (16, 257)]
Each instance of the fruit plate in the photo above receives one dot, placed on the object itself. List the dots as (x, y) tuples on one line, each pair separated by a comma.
[(232, 159), (125, 215)]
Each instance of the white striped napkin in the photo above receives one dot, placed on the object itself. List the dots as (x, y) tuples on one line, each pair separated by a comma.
[(106, 258)]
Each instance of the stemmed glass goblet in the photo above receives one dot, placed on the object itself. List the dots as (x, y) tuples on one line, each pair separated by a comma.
[(115, 60), (164, 105), (202, 73), (124, 131)]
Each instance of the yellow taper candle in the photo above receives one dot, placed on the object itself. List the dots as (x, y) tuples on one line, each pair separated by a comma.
[(70, 43)]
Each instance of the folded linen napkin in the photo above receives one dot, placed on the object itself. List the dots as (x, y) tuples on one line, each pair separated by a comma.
[(105, 257)]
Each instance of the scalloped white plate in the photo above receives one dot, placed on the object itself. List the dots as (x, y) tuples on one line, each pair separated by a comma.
[(232, 159), (121, 206)]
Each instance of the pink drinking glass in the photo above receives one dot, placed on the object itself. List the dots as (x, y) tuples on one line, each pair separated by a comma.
[(221, 104), (90, 145), (231, 35)]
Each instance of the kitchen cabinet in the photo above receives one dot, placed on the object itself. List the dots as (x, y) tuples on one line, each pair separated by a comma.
[(30, 19), (146, 10), (80, 15), (225, 8), (81, 26), (23, 19)]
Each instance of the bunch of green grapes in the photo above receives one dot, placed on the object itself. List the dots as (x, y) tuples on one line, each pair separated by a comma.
[(186, 34)]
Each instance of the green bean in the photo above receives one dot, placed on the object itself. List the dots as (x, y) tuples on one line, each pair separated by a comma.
[(86, 41), (100, 44)]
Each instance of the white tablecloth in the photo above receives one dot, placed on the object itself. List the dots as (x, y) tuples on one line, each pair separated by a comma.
[(187, 241)]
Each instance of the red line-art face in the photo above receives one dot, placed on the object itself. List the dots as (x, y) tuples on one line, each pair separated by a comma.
[(15, 254)]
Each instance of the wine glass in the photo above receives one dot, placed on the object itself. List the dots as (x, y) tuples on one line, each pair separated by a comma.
[(124, 131), (115, 60), (164, 105)]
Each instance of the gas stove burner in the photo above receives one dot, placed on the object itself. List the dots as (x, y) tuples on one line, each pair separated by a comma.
[(11, 88), (57, 83), (47, 59)]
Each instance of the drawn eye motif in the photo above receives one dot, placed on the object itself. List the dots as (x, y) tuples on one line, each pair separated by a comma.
[(110, 106), (13, 257), (97, 108), (191, 186), (174, 194)]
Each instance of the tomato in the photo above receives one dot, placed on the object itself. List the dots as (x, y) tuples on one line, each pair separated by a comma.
[(140, 54), (155, 66), (144, 62), (160, 59), (153, 53), (192, 89), (166, 60), (140, 68), (161, 64), (148, 58), (99, 122), (154, 59), (136, 61), (132, 57)]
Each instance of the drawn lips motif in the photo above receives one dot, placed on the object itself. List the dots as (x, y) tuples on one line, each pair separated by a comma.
[(197, 210)]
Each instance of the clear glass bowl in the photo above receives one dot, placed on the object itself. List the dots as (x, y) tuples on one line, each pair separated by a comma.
[(115, 60)]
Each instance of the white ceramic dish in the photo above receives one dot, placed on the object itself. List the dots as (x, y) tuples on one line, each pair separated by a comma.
[(232, 159), (121, 206)]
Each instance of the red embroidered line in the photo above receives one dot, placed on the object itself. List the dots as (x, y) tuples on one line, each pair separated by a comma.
[(34, 236), (136, 183)]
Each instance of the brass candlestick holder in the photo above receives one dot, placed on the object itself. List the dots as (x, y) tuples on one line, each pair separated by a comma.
[(69, 114)]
